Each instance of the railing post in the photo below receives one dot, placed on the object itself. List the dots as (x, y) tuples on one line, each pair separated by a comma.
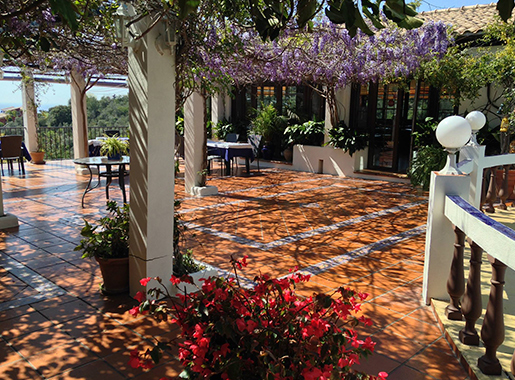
[(491, 195), (503, 191), (456, 281), (471, 307), (483, 190), (492, 332)]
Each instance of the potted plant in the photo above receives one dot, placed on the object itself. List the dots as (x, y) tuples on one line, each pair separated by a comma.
[(348, 139), (271, 126), (308, 133), (108, 243), (265, 332), (114, 148)]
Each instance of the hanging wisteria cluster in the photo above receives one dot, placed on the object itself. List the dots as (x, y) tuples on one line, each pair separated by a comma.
[(326, 56)]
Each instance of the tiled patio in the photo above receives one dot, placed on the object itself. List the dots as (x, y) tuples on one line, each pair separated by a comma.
[(365, 234)]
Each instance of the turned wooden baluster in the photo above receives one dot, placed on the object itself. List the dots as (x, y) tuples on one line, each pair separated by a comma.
[(492, 332), (491, 194), (503, 191), (471, 306), (456, 281)]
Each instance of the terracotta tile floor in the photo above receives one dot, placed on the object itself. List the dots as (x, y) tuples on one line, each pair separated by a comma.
[(55, 324)]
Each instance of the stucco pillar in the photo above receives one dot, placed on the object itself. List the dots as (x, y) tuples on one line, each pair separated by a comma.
[(30, 112), (195, 146), (152, 134), (440, 235), (343, 96), (79, 116), (220, 107)]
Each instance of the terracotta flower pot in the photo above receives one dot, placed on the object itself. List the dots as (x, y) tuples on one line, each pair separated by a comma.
[(115, 273), (37, 157)]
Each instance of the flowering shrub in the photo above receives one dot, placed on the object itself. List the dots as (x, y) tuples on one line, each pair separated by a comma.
[(268, 332)]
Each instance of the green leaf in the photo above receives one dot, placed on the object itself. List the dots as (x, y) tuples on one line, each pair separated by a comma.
[(44, 44), (186, 7), (505, 7), (410, 23), (306, 11), (400, 7), (67, 10), (156, 354), (360, 23)]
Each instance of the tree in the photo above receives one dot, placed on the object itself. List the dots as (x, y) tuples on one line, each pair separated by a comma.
[(59, 116)]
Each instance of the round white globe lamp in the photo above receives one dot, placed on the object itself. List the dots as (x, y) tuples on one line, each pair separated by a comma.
[(453, 133), (477, 121)]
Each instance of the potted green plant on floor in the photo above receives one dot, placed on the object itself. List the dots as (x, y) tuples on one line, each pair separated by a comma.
[(114, 148), (108, 242)]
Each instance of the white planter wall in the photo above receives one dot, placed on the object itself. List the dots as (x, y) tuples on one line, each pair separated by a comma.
[(328, 160)]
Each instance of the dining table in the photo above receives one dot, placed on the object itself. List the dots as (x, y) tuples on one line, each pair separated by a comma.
[(108, 174), (229, 150)]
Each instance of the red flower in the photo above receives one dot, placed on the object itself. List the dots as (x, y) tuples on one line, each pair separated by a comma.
[(140, 297), (134, 311), (175, 280), (145, 281), (134, 360), (240, 323), (382, 375)]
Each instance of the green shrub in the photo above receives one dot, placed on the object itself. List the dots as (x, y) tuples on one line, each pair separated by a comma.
[(348, 139), (308, 133), (427, 159)]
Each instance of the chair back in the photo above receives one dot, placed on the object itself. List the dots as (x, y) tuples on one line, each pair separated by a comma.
[(232, 137), (255, 142), (11, 146), (112, 133)]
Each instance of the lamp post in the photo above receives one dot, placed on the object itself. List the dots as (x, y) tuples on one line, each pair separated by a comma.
[(453, 133), (477, 121)]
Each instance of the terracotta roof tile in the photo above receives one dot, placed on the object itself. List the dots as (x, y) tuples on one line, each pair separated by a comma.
[(466, 20)]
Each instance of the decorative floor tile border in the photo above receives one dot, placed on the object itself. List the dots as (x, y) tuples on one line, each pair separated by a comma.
[(44, 287), (302, 235), (334, 262)]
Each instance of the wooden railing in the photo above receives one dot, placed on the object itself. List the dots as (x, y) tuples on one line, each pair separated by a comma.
[(483, 234)]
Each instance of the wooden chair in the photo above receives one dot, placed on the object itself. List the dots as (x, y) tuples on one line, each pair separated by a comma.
[(10, 150)]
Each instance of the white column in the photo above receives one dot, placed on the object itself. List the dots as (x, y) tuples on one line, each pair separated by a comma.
[(195, 146), (343, 96), (6, 220), (79, 116), (30, 113), (152, 134), (440, 235), (217, 108)]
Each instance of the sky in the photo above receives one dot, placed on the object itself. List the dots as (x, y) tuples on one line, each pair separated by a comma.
[(51, 95), (431, 5), (57, 94)]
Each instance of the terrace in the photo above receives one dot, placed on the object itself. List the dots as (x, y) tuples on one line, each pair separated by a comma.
[(369, 235)]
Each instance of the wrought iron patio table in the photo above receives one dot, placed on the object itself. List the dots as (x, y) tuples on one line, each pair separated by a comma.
[(109, 173)]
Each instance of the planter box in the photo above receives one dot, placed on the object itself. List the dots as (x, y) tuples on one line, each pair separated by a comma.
[(185, 288), (328, 160)]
